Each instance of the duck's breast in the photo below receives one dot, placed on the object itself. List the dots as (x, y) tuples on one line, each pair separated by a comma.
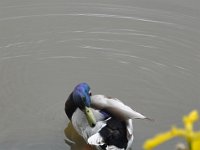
[(82, 126)]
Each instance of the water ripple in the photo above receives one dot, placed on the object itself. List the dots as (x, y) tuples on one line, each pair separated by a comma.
[(141, 58), (91, 15), (62, 57), (92, 39), (12, 57), (118, 33), (100, 48)]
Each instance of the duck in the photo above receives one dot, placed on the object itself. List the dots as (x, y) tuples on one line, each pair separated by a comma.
[(103, 122)]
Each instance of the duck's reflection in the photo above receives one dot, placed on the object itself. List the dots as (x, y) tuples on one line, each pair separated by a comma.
[(74, 140)]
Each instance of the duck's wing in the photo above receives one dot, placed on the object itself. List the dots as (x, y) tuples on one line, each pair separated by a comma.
[(115, 107), (130, 136), (118, 134)]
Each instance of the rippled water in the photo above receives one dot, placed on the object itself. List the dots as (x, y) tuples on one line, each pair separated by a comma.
[(143, 52)]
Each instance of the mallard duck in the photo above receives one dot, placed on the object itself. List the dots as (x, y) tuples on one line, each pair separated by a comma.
[(102, 121)]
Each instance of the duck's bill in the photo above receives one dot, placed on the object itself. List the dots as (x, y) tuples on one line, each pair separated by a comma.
[(90, 116)]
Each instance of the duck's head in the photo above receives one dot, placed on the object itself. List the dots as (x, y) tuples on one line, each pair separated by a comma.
[(81, 96)]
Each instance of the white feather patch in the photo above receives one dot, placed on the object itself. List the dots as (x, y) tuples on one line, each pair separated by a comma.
[(112, 147), (96, 139)]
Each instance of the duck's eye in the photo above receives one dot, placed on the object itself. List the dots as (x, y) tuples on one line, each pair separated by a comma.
[(90, 93)]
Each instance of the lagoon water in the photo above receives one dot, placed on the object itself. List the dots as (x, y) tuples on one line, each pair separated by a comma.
[(146, 53)]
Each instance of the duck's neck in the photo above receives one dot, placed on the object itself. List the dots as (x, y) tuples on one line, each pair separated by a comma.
[(70, 107)]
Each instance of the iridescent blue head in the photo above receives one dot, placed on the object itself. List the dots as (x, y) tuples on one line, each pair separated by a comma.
[(81, 95)]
